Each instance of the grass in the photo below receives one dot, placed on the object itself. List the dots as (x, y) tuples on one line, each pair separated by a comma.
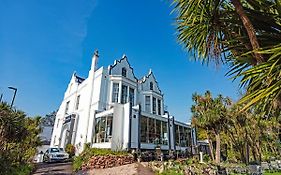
[(275, 173)]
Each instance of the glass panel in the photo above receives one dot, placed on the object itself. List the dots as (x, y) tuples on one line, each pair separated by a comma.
[(151, 130), (115, 92), (97, 127), (143, 131), (124, 94), (151, 86), (54, 150), (147, 104), (109, 129), (182, 136), (124, 72), (177, 138), (102, 129), (132, 96), (188, 133), (159, 107), (164, 133), (158, 139), (154, 105)]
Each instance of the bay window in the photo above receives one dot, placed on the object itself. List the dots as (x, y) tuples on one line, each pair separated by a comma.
[(103, 129)]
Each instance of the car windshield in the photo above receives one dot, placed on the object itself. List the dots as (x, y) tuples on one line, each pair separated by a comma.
[(53, 150), (61, 150)]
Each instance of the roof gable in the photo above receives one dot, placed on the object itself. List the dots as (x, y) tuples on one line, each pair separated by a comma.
[(147, 80), (116, 68)]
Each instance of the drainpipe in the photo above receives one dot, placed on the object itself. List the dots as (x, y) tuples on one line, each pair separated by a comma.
[(174, 132), (130, 126), (169, 132), (139, 128)]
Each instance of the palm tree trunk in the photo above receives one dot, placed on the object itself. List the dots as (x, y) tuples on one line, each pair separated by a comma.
[(249, 28), (218, 147), (211, 147)]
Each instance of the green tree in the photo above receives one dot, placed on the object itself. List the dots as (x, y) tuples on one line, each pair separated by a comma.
[(245, 35), (250, 135), (19, 139), (210, 114)]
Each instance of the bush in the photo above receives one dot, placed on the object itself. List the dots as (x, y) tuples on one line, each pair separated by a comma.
[(19, 140), (21, 169), (171, 172), (70, 149), (77, 163)]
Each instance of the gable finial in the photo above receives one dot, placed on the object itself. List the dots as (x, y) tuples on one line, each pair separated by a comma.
[(95, 60), (124, 56), (96, 53), (150, 71)]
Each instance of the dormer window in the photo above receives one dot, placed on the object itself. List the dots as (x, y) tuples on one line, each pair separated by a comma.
[(124, 72), (151, 86)]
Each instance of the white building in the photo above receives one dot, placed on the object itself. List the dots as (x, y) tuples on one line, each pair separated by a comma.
[(114, 109)]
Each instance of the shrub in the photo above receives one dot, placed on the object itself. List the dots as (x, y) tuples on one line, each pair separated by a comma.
[(70, 149), (77, 163)]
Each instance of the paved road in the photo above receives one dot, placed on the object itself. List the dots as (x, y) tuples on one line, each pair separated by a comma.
[(53, 169)]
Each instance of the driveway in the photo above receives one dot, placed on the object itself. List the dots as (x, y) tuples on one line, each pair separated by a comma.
[(54, 169)]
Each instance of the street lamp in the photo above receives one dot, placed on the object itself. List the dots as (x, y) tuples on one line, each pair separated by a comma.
[(1, 96), (15, 92)]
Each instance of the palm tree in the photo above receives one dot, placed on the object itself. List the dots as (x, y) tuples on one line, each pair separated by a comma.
[(244, 34), (209, 114)]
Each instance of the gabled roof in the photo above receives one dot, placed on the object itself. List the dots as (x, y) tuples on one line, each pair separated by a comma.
[(150, 73), (124, 58)]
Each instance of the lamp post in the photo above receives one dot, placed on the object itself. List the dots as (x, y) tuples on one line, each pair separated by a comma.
[(15, 93), (1, 96)]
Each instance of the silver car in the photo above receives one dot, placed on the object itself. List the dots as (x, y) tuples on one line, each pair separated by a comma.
[(55, 154)]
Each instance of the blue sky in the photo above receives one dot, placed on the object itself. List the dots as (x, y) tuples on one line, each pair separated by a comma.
[(42, 42)]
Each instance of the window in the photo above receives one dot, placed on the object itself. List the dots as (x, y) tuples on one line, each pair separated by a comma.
[(182, 136), (108, 129), (158, 138), (154, 105), (124, 94), (147, 104), (77, 102), (177, 135), (66, 107), (159, 107), (188, 136), (54, 150), (103, 129), (124, 72), (151, 86), (97, 127), (164, 133), (115, 92), (144, 136), (151, 130), (132, 96)]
